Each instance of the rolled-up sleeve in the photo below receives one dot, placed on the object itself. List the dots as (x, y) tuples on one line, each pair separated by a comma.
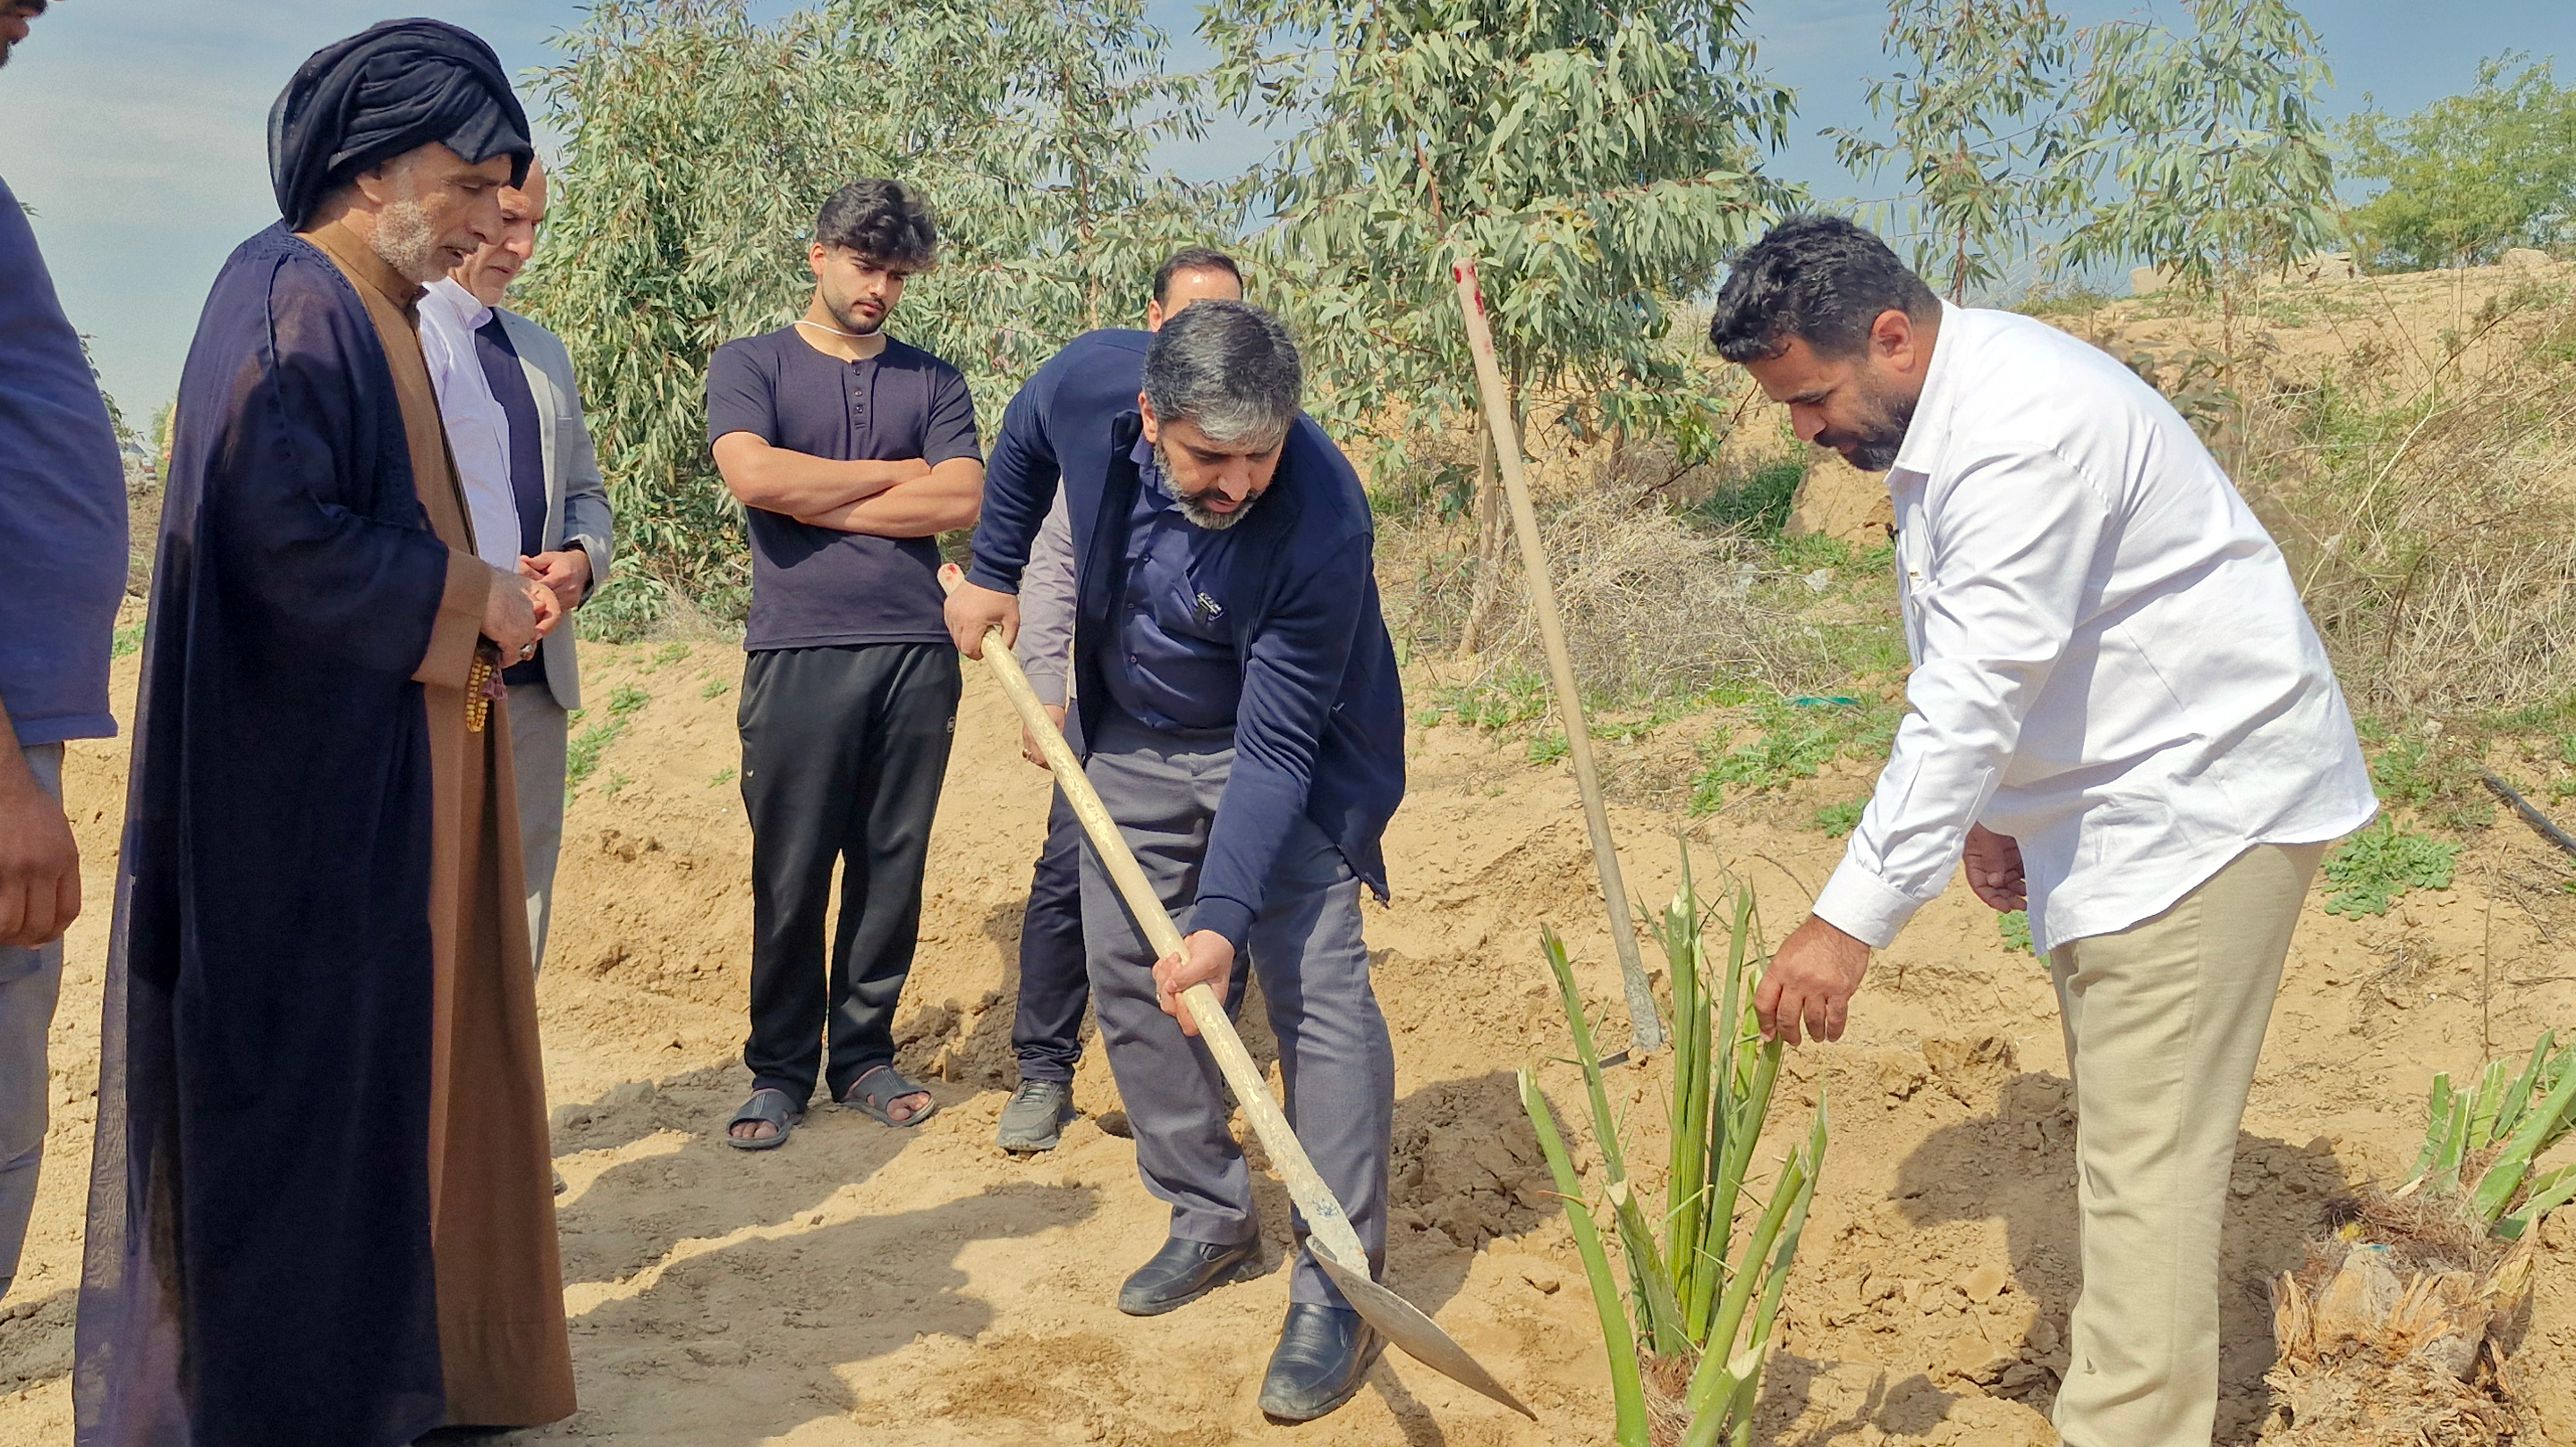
[(2014, 564)]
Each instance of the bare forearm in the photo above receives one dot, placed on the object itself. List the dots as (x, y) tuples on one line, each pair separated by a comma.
[(799, 484), (921, 508)]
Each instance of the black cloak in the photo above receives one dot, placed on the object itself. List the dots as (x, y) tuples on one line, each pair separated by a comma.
[(395, 87)]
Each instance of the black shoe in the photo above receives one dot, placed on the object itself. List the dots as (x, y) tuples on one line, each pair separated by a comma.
[(1324, 1353), (1184, 1271)]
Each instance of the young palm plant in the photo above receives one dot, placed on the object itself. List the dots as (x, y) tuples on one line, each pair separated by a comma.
[(1688, 1339), (2397, 1330)]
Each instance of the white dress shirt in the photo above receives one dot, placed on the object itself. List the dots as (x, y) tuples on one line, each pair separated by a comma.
[(2111, 664), (478, 431)]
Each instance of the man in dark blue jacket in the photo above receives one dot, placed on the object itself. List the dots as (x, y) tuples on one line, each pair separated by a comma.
[(1242, 720)]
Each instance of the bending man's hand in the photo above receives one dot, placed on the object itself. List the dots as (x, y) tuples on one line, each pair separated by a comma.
[(1029, 749), (972, 610), (1994, 869), (1205, 959), (40, 883), (1810, 982)]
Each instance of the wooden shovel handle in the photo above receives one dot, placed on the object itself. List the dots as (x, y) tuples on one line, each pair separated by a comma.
[(1326, 1221)]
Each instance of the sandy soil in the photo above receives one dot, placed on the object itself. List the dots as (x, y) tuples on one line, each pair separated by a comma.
[(881, 1287)]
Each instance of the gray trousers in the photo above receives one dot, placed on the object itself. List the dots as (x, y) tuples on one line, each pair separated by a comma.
[(30, 980), (1334, 1054), (539, 730)]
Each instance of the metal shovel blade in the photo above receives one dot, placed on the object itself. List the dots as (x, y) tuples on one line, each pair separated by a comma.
[(1420, 1336)]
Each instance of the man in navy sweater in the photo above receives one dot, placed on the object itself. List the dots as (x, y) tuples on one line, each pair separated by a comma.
[(1242, 719)]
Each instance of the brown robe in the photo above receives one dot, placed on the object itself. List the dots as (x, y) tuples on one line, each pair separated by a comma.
[(502, 1341)]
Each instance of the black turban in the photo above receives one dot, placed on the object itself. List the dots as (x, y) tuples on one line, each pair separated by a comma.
[(397, 87)]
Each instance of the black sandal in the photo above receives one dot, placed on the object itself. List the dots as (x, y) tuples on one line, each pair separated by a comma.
[(767, 1106), (876, 1103)]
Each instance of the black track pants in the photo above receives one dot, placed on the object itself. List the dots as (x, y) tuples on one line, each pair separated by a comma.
[(843, 750)]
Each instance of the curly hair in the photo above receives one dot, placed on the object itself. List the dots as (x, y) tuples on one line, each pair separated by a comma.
[(1820, 278), (883, 221)]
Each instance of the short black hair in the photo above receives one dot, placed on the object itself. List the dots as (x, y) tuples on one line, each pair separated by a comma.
[(884, 221), (1192, 258), (1820, 278)]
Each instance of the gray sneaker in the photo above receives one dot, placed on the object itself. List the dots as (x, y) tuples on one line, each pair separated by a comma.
[(1034, 1118)]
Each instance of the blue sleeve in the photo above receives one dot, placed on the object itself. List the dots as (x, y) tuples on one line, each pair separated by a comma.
[(950, 432), (741, 399), (1019, 486), (1292, 680)]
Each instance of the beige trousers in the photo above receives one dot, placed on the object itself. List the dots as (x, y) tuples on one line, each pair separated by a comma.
[(2164, 1021)]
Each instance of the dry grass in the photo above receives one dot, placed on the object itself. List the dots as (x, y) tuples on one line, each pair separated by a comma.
[(2432, 522), (1654, 608)]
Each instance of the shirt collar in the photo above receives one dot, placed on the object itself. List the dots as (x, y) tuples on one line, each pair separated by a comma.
[(361, 262), (1930, 431), (461, 306), (1149, 469)]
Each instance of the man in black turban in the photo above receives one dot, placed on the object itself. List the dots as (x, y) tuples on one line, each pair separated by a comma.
[(321, 1207)]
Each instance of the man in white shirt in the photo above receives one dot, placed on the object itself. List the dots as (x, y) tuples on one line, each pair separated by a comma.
[(523, 451), (2119, 713)]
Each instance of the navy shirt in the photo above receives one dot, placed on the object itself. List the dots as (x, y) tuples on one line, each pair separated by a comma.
[(509, 381), (818, 587), (62, 508), (1175, 667)]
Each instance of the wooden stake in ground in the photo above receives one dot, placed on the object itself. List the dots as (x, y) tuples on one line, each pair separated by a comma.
[(1645, 1028), (1330, 1235)]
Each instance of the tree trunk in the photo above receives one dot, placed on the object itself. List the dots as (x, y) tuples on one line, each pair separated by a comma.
[(1489, 545)]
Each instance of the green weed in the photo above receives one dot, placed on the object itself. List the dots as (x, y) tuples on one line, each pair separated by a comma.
[(1795, 743), (128, 639), (2014, 926), (1757, 502), (626, 699), (722, 777), (715, 689), (615, 785), (1547, 748), (2377, 866), (1837, 820)]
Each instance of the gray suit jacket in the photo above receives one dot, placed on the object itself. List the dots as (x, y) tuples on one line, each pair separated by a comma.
[(576, 498)]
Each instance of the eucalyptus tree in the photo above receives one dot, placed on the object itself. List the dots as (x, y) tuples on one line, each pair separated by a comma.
[(1596, 163), (1980, 130), (2206, 148), (2469, 175), (701, 140)]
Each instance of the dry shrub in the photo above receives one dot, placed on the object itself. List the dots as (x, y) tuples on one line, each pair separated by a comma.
[(1654, 608), (2396, 1332), (2430, 524)]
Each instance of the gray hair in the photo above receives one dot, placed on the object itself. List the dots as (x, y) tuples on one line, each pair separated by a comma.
[(1228, 368)]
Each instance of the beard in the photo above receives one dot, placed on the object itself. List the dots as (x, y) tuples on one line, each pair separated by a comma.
[(1194, 507), (1872, 446), (408, 242), (845, 316)]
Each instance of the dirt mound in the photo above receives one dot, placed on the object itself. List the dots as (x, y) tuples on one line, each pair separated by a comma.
[(882, 1287)]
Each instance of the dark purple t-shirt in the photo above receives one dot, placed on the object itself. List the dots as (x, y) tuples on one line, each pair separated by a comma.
[(816, 587)]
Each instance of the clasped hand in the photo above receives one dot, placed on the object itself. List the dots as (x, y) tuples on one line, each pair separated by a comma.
[(1205, 958), (518, 614)]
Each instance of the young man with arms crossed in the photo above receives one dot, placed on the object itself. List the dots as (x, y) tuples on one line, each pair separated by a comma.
[(850, 452)]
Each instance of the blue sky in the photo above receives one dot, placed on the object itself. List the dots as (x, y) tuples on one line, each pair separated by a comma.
[(134, 127)]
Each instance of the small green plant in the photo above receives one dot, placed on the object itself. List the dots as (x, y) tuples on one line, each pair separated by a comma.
[(127, 640), (1699, 1298), (2377, 866), (1516, 697), (715, 689), (1547, 749), (1794, 744), (616, 784), (1837, 820), (2515, 1115), (581, 755), (2014, 926), (722, 777), (668, 654), (625, 700)]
